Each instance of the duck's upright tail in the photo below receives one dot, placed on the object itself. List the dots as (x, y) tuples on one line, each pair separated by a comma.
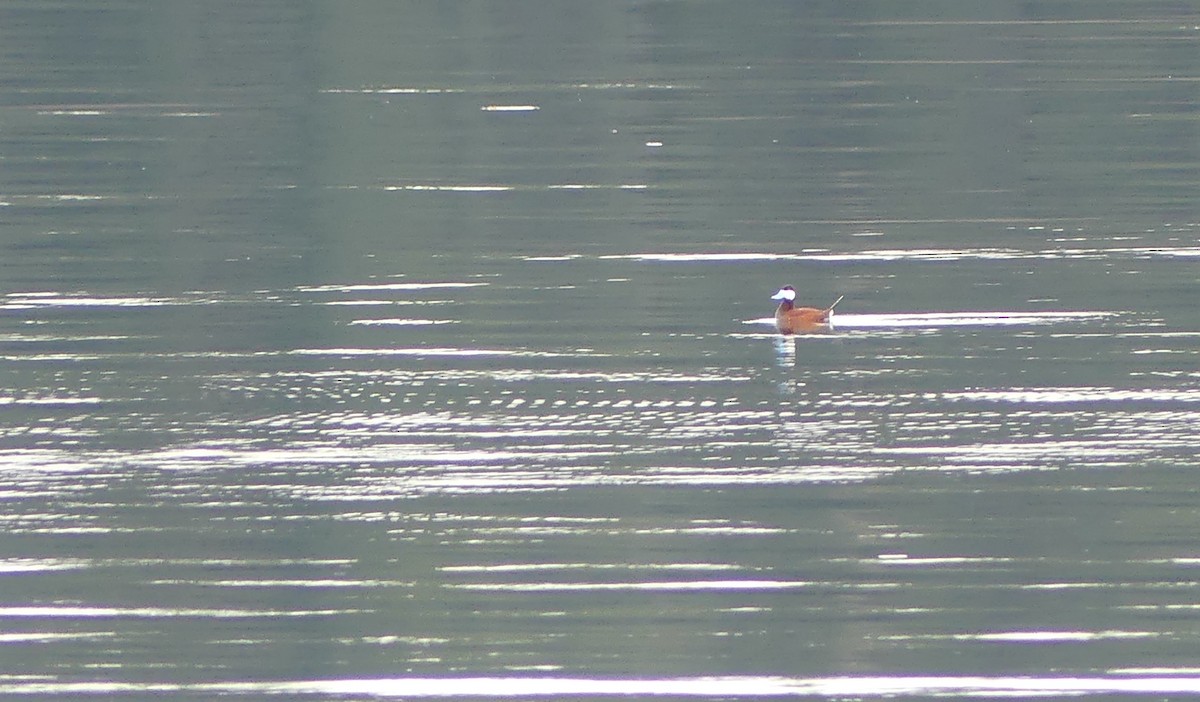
[(830, 308)]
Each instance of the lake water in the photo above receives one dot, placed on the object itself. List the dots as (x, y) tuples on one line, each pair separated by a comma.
[(424, 350)]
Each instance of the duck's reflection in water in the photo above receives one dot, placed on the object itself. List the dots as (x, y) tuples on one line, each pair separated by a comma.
[(785, 344), (785, 350), (785, 357)]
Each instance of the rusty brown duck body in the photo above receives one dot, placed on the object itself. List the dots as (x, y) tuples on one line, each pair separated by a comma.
[(790, 319)]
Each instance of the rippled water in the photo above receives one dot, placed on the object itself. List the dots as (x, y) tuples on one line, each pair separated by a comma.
[(366, 368)]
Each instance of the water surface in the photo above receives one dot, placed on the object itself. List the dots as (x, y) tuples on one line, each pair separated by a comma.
[(424, 351)]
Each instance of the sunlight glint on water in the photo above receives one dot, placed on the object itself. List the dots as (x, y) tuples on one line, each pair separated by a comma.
[(425, 351)]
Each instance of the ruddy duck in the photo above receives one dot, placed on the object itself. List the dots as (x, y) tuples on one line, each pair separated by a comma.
[(790, 319)]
